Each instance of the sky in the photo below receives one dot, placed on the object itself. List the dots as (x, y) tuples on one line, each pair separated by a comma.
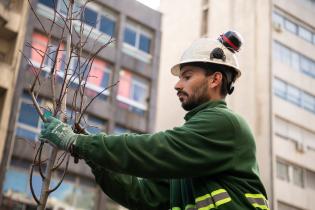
[(154, 4)]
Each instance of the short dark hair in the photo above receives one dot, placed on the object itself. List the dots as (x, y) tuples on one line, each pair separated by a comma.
[(228, 73)]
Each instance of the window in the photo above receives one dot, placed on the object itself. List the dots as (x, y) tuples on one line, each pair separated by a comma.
[(290, 131), (50, 56), (48, 3), (308, 102), (298, 176), (310, 179), (305, 34), (89, 17), (283, 171), (294, 27), (137, 39), (95, 125), (294, 59), (93, 15), (293, 95), (204, 21), (306, 65), (107, 25), (145, 43), (278, 19), (120, 130), (99, 79), (281, 127), (15, 181), (280, 88), (283, 54), (133, 92), (130, 36), (290, 26), (290, 173), (29, 123)]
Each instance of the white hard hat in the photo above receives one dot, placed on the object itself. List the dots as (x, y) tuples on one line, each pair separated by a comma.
[(212, 51)]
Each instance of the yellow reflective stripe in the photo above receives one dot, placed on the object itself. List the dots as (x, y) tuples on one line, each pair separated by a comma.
[(256, 205), (211, 206), (175, 208), (220, 202), (248, 195), (219, 191), (215, 196), (201, 198), (255, 198), (190, 206)]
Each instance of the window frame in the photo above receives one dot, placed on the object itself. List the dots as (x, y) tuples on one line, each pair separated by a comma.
[(106, 12), (302, 34), (24, 126), (134, 50), (128, 100), (288, 24)]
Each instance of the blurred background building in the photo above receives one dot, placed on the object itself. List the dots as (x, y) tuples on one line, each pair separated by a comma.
[(133, 59), (276, 92)]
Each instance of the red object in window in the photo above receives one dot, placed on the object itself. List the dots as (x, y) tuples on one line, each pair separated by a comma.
[(97, 72), (124, 84), (39, 43)]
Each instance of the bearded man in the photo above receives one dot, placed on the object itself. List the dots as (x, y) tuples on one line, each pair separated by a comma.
[(207, 163)]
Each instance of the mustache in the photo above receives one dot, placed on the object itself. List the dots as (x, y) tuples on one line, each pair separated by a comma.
[(181, 92)]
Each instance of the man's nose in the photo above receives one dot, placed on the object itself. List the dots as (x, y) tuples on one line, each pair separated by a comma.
[(178, 85)]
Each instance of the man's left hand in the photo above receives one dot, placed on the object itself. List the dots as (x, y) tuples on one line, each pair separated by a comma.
[(58, 133)]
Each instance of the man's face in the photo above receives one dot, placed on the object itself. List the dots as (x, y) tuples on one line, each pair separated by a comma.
[(192, 87)]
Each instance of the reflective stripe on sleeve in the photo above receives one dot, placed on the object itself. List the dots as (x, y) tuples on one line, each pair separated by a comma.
[(190, 207), (213, 200), (258, 201)]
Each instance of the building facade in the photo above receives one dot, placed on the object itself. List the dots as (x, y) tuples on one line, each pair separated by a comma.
[(132, 59), (275, 93), (13, 18)]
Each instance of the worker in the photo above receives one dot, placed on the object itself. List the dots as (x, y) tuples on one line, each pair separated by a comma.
[(207, 163)]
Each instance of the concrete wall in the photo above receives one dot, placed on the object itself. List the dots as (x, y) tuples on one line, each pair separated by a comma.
[(180, 26), (11, 41)]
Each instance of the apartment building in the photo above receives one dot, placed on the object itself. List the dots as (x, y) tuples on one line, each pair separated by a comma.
[(133, 59), (13, 17), (275, 93)]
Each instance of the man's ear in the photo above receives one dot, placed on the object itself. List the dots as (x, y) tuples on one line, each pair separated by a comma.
[(215, 79)]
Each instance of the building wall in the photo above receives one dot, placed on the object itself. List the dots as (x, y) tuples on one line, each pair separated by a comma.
[(293, 67), (179, 28), (13, 18)]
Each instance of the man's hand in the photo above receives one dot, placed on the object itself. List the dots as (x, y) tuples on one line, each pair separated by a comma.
[(58, 133)]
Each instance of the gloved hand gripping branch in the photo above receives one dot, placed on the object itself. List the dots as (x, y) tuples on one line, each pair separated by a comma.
[(58, 134)]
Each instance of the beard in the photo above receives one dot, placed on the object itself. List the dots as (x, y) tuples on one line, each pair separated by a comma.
[(198, 96)]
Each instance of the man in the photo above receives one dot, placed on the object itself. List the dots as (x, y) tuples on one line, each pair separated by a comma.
[(207, 163)]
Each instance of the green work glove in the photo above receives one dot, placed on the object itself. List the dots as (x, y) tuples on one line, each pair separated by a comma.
[(58, 133)]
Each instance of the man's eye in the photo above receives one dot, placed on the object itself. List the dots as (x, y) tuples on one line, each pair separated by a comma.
[(187, 77)]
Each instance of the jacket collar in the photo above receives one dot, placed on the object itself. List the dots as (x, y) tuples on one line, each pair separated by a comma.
[(209, 104)]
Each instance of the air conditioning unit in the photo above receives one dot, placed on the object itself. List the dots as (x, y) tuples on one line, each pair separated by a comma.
[(277, 27), (300, 147)]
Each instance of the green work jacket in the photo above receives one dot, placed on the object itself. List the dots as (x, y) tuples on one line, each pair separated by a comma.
[(207, 163)]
